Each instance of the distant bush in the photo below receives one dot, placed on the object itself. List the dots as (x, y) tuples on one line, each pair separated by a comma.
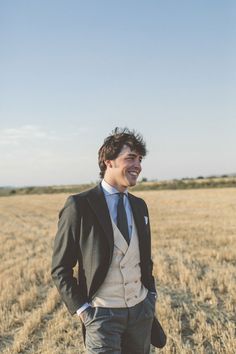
[(144, 179)]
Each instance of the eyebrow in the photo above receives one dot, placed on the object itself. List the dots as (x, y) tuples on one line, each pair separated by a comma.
[(134, 155)]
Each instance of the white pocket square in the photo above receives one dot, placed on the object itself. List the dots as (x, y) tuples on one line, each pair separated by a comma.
[(146, 220)]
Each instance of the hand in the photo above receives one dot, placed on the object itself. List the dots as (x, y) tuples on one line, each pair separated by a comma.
[(83, 314)]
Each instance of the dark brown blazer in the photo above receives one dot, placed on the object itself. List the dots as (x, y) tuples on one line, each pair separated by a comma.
[(85, 237)]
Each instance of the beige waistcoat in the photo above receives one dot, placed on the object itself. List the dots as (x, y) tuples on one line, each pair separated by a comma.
[(122, 286)]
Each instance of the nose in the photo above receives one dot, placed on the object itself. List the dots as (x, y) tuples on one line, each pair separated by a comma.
[(138, 164)]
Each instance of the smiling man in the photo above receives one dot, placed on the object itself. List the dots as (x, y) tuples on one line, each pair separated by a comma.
[(106, 232)]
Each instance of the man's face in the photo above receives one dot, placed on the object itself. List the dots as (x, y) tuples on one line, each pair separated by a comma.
[(123, 171)]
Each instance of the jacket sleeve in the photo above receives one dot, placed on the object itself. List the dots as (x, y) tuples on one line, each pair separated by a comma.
[(65, 256)]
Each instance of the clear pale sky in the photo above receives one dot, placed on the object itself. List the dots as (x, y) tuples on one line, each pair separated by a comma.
[(71, 71)]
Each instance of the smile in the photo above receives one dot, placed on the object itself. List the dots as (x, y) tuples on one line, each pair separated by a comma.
[(133, 173)]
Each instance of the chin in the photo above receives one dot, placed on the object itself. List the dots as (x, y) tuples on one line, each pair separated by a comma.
[(132, 183)]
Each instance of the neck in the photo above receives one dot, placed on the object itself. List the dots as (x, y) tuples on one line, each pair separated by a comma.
[(119, 187)]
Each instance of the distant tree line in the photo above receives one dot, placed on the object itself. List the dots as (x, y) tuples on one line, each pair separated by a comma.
[(223, 181)]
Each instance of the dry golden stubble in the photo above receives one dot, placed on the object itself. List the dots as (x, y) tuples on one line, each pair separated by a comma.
[(194, 254)]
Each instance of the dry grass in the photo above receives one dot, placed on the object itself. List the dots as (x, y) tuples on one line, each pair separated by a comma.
[(194, 252)]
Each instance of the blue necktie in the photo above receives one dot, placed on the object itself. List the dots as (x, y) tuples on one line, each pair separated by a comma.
[(122, 222)]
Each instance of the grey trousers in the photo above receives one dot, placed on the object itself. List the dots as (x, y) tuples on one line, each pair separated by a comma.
[(120, 330)]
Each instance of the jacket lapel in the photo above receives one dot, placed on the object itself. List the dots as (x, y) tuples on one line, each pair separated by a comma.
[(98, 203), (139, 221)]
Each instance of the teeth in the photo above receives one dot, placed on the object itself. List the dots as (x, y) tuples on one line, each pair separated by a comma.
[(133, 173)]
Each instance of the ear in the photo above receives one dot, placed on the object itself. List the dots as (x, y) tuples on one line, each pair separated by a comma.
[(108, 163)]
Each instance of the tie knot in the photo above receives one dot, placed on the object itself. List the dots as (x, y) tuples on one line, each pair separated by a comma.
[(121, 195)]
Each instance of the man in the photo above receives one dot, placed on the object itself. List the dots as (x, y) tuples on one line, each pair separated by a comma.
[(106, 231)]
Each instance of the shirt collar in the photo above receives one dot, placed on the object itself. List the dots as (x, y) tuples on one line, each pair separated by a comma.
[(108, 189)]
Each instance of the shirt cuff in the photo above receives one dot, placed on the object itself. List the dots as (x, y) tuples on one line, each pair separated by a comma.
[(82, 308)]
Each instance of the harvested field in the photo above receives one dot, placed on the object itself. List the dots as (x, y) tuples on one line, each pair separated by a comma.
[(194, 253)]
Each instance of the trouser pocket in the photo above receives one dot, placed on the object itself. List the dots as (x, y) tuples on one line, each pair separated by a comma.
[(95, 314)]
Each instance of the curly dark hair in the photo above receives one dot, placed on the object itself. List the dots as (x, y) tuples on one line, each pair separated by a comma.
[(114, 143)]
